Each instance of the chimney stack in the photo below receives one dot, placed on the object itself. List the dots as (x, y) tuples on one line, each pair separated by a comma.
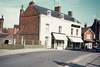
[(85, 25), (21, 8), (58, 9), (31, 3), (2, 17), (70, 13), (95, 20)]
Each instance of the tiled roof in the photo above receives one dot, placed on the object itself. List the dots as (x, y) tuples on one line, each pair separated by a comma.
[(85, 29)]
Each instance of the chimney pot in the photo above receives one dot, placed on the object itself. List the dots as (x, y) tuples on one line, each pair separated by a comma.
[(70, 13)]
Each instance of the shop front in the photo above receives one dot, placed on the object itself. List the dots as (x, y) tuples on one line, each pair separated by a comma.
[(74, 43), (59, 41)]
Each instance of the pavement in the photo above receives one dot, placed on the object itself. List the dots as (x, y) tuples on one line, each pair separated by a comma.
[(4, 52)]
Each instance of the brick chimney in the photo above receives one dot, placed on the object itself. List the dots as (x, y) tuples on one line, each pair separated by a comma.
[(58, 9), (21, 10), (70, 13)]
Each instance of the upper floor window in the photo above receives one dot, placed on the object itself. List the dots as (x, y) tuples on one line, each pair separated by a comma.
[(71, 31), (49, 12), (60, 29), (76, 31), (47, 28)]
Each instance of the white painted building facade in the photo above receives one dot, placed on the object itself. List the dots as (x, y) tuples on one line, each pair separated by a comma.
[(49, 24)]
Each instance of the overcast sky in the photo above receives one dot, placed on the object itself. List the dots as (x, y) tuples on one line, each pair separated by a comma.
[(84, 10)]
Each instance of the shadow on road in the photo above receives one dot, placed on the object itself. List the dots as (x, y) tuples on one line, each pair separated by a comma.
[(68, 64)]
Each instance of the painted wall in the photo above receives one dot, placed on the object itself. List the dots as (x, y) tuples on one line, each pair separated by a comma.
[(54, 24)]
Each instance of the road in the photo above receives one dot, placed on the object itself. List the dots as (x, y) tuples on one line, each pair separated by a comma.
[(39, 59)]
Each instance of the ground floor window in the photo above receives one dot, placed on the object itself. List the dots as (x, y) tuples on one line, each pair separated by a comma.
[(69, 44), (57, 43), (60, 42), (73, 45), (76, 45)]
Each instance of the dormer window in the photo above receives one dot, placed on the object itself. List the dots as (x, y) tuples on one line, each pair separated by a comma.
[(61, 15), (49, 12)]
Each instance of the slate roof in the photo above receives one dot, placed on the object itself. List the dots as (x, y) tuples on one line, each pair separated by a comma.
[(43, 10)]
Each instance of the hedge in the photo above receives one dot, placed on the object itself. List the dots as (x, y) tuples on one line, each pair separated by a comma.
[(10, 46)]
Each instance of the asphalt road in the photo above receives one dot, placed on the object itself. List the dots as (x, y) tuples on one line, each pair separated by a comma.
[(39, 59)]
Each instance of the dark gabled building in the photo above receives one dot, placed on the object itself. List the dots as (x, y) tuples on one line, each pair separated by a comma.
[(96, 29)]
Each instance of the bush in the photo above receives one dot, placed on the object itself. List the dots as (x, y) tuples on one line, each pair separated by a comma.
[(9, 46)]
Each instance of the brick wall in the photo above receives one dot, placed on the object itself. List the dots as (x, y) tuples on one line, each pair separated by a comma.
[(29, 24)]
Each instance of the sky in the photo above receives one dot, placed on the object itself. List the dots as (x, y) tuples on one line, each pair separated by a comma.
[(83, 10)]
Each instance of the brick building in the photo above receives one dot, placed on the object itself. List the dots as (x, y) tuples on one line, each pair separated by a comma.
[(88, 37), (29, 24)]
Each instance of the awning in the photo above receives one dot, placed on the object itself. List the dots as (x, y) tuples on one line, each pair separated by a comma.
[(75, 39), (59, 36)]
